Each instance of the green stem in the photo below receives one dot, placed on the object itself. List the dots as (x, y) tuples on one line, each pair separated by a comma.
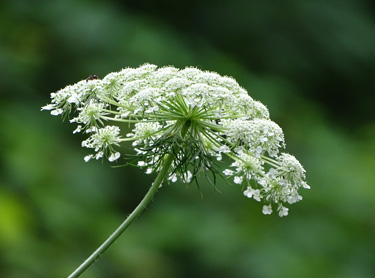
[(136, 212)]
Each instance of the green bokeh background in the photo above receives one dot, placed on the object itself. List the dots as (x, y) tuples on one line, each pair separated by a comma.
[(311, 62)]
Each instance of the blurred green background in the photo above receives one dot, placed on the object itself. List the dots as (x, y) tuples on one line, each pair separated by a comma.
[(311, 62)]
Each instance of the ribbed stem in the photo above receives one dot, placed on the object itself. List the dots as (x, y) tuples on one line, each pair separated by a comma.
[(136, 212)]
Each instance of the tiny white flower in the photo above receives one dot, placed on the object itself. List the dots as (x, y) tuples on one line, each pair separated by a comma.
[(253, 193), (219, 157), (257, 195), (305, 185), (228, 172), (114, 157), (294, 198), (74, 98), (173, 177), (78, 129), (99, 155), (224, 149), (249, 192), (267, 209), (283, 211), (88, 157), (238, 180), (187, 177)]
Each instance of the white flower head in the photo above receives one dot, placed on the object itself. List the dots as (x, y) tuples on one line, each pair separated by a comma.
[(199, 118)]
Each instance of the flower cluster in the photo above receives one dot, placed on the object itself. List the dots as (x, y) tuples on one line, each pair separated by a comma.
[(196, 116)]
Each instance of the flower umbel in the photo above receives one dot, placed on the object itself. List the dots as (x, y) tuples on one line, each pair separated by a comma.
[(193, 117)]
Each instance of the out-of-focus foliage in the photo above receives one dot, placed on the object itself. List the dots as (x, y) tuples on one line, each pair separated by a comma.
[(327, 48), (311, 62)]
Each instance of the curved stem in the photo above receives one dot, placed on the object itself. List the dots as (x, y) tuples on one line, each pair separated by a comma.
[(136, 212)]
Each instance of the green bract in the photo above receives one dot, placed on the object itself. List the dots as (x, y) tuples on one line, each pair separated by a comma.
[(198, 116)]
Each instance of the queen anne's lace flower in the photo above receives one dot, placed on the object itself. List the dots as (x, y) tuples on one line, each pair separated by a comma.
[(198, 116)]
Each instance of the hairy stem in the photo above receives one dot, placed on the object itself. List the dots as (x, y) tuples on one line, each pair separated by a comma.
[(136, 212)]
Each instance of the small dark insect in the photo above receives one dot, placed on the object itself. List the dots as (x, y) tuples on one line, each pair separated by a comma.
[(92, 77)]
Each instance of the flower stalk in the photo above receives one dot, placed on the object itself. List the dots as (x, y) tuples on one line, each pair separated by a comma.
[(163, 174)]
